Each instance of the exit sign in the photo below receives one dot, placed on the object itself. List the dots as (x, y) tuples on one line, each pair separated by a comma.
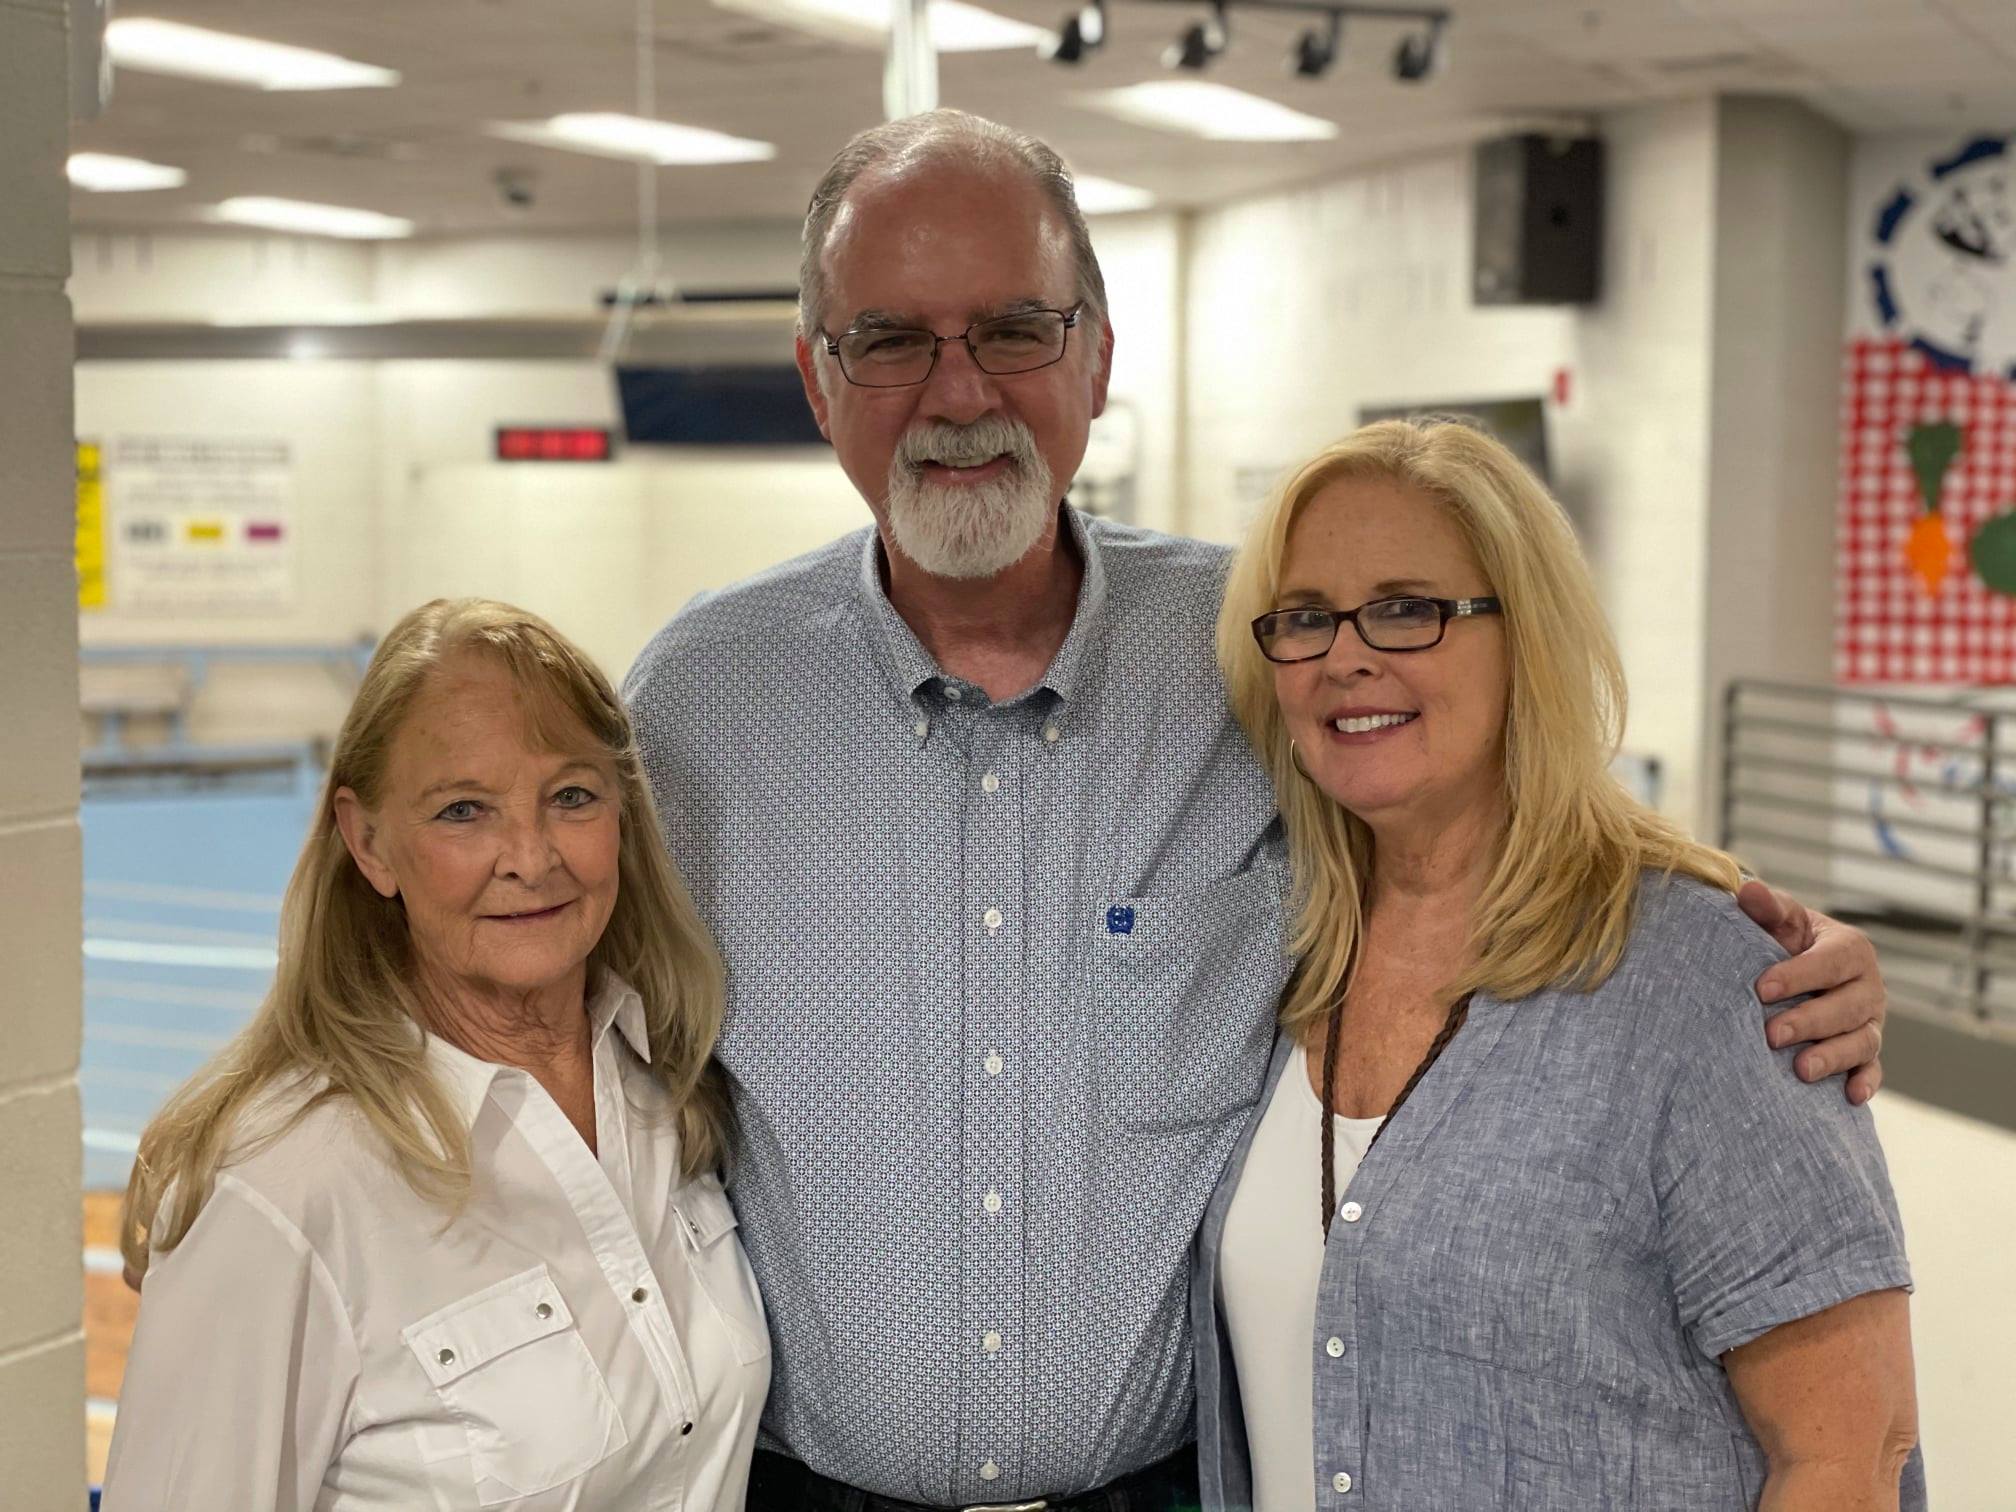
[(554, 443)]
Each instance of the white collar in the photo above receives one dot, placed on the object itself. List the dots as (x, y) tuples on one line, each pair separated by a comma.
[(467, 1080)]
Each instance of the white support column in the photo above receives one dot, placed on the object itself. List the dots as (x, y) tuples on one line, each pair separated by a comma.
[(41, 1242), (910, 78)]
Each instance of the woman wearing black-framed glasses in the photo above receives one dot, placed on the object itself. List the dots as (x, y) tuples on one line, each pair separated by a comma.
[(1530, 1216)]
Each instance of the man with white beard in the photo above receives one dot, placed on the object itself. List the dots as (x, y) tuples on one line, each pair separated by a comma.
[(999, 885)]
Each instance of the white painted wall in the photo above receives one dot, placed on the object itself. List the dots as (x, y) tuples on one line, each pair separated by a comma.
[(546, 274), (41, 1305), (221, 275), (1303, 307), (1638, 435), (1781, 205)]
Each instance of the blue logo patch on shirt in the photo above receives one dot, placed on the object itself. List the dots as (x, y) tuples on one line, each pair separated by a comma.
[(1119, 920)]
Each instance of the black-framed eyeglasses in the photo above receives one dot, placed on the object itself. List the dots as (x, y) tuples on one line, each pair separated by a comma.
[(1388, 624), (896, 357)]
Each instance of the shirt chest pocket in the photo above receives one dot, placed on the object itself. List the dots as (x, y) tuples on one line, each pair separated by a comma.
[(706, 1224), (509, 1364), (1184, 991), (1498, 1263)]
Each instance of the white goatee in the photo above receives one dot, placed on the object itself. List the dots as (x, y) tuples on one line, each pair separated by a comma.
[(969, 530)]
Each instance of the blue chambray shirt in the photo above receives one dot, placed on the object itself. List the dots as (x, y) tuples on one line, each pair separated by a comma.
[(1586, 1202), (1002, 982)]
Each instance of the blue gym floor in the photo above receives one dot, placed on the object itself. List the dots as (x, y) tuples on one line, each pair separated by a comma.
[(181, 904)]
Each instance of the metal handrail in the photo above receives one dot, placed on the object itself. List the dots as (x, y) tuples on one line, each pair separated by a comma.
[(1830, 694), (1952, 868), (1858, 774), (1842, 811), (1866, 737)]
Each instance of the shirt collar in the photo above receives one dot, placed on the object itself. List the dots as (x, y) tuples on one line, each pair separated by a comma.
[(467, 1080), (911, 667)]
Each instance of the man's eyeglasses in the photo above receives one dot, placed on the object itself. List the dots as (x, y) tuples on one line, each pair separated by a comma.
[(1388, 624), (878, 357)]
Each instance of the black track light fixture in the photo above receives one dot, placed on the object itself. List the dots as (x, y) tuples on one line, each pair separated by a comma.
[(1316, 50), (1419, 56), (1083, 32), (1203, 42)]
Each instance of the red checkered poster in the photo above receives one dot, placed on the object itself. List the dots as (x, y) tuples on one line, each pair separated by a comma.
[(1928, 462), (1926, 546)]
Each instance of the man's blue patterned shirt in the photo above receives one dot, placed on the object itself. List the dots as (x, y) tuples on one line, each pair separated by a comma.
[(1002, 981)]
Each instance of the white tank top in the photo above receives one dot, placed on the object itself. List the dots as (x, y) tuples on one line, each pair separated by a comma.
[(1268, 1269)]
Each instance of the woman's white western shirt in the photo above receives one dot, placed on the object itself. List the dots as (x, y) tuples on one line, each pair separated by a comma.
[(584, 1334)]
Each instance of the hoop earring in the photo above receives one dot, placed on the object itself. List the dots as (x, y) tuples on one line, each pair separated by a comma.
[(1295, 760)]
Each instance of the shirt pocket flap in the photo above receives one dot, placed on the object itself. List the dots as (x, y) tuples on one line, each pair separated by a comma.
[(704, 1211), (464, 1335)]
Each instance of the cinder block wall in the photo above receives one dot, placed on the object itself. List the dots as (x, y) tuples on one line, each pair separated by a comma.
[(41, 1278)]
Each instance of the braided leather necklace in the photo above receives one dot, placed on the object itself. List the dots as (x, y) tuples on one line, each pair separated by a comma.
[(1458, 1012)]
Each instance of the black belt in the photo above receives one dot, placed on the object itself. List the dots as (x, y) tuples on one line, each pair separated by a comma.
[(778, 1483)]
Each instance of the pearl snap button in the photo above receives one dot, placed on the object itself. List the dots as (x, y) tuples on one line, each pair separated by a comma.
[(544, 1310)]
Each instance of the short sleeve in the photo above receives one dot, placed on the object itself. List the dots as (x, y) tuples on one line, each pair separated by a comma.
[(1774, 1198), (242, 1372)]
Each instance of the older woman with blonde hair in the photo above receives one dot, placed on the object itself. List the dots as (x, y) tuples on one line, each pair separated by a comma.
[(443, 1226), (1529, 1216)]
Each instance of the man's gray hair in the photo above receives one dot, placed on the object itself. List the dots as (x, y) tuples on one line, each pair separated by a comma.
[(945, 136)]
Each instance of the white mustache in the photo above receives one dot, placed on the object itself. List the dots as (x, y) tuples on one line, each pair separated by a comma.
[(966, 445)]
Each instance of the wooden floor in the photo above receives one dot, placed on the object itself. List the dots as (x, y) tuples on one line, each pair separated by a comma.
[(109, 1309)]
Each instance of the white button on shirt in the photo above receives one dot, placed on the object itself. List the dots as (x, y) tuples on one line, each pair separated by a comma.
[(584, 1334)]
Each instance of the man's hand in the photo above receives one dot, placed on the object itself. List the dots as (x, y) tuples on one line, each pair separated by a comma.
[(1837, 964)]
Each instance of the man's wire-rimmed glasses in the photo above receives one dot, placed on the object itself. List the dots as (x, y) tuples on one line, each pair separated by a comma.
[(1388, 624), (897, 356)]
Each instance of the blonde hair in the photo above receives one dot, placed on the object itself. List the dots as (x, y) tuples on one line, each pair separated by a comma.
[(341, 1013), (1558, 905)]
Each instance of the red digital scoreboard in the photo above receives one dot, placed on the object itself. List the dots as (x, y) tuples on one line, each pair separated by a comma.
[(554, 443)]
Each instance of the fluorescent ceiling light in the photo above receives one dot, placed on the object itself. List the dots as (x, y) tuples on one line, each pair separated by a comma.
[(192, 52), (311, 220), (102, 173), (1196, 108), (639, 140), (955, 25), (1104, 196)]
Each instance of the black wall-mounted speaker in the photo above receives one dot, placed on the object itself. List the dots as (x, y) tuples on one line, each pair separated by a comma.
[(1538, 237)]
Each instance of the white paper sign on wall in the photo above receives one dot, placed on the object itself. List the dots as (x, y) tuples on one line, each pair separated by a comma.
[(200, 523)]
